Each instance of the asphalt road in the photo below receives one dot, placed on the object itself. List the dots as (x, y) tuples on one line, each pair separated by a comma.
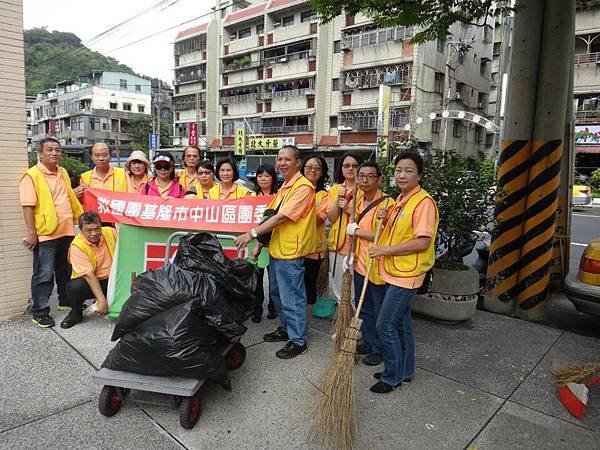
[(584, 226)]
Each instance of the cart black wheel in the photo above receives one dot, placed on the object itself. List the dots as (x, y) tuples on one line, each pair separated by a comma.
[(189, 411), (177, 401), (236, 356), (110, 401)]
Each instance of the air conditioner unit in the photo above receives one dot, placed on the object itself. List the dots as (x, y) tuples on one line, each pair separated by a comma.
[(283, 59), (277, 23)]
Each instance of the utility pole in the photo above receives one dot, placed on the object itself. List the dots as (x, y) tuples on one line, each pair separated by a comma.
[(447, 91), (158, 113)]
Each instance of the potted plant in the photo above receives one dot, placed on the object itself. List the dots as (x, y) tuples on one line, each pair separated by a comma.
[(462, 189)]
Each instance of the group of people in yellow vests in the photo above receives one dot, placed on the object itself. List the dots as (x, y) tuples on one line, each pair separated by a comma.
[(294, 231)]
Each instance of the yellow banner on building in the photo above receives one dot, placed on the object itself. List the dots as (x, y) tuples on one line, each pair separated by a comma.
[(270, 143), (240, 140)]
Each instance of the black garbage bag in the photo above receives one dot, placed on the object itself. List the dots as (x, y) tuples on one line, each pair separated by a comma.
[(176, 342), (158, 290), (202, 253)]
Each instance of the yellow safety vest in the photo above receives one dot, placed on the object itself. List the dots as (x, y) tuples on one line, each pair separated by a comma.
[(46, 220), (337, 238), (399, 229), (319, 197), (86, 248), (239, 192), (119, 179), (292, 240), (183, 179)]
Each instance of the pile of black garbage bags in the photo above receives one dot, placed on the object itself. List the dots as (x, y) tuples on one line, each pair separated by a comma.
[(179, 318)]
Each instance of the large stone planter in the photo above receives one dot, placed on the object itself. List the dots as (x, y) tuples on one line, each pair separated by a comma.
[(452, 295)]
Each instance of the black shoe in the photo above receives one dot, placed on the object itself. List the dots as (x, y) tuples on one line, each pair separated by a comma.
[(256, 318), (271, 315), (373, 359), (363, 349), (43, 321), (377, 376), (69, 321), (291, 350), (383, 388), (279, 335)]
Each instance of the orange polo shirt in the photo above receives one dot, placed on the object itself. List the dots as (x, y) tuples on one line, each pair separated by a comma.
[(423, 224), (58, 188), (367, 223), (97, 182), (82, 264), (133, 187)]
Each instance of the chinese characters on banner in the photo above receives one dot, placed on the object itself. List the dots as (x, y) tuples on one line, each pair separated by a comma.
[(240, 139), (193, 134), (188, 214), (273, 143)]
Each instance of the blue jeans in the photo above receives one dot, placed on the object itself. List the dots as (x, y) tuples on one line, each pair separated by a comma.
[(370, 310), (394, 328), (49, 264), (286, 276)]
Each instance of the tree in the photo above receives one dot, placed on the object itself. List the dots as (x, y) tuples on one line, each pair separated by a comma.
[(432, 18), (142, 127)]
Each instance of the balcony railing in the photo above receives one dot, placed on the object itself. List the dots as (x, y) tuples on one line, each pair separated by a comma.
[(243, 98), (181, 79), (374, 37), (304, 54), (286, 129), (588, 116), (391, 75), (366, 119), (227, 68), (587, 58), (288, 93)]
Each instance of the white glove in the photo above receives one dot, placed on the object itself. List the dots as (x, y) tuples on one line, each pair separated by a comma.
[(348, 262), (351, 229)]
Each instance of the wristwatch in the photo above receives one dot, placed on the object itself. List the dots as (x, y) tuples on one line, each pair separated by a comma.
[(253, 233)]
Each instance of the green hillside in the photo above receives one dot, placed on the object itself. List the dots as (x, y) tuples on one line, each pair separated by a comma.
[(55, 56)]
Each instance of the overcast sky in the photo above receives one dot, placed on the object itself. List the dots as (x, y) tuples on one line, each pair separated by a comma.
[(152, 56)]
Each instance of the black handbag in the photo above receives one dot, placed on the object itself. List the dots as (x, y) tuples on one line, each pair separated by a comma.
[(264, 239)]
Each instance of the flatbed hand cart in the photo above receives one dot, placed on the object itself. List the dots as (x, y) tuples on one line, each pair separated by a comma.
[(185, 391)]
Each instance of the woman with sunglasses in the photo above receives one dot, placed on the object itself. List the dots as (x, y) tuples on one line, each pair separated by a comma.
[(165, 184), (228, 189), (315, 169), (339, 210), (265, 183), (188, 176)]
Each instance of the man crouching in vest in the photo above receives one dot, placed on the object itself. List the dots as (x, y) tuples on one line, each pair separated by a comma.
[(91, 256)]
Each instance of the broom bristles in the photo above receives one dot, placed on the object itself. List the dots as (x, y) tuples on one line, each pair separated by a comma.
[(344, 312), (575, 372), (323, 277), (334, 421)]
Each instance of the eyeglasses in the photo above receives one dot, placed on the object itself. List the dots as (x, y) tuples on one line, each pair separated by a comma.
[(162, 166), (204, 172), (312, 168), (350, 166), (364, 176)]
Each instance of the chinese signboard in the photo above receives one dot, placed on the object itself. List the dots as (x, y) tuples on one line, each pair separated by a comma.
[(270, 143), (240, 139), (193, 134), (189, 214)]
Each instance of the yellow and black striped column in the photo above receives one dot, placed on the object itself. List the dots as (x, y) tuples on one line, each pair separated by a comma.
[(503, 266), (538, 228)]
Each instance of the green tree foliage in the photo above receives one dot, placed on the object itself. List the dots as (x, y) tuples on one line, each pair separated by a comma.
[(432, 17), (72, 165), (595, 181), (142, 127)]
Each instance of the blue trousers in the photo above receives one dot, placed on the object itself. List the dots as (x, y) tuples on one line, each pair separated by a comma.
[(370, 310), (288, 293), (50, 264), (394, 329)]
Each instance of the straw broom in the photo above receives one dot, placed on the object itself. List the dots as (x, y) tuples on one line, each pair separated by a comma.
[(344, 311), (334, 423), (576, 372)]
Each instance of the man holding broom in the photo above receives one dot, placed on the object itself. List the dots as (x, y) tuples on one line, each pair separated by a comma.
[(293, 228), (404, 252)]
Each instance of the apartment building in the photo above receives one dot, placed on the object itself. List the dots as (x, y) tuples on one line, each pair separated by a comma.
[(280, 74), (97, 107)]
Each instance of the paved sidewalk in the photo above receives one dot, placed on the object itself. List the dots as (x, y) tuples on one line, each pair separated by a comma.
[(483, 384)]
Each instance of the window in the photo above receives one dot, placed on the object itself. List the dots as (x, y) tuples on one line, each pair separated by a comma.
[(123, 84), (337, 47), (478, 134), (260, 28), (458, 129), (138, 88), (112, 105), (489, 139), (335, 84), (308, 16), (94, 123), (438, 83), (483, 67), (244, 33), (140, 108), (287, 21), (441, 45), (333, 123), (497, 48), (126, 106), (435, 126)]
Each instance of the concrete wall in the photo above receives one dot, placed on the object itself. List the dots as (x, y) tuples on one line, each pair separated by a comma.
[(587, 21), (191, 58), (101, 99), (15, 260)]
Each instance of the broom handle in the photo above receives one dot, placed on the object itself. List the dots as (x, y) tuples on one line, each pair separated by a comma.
[(352, 217), (369, 265)]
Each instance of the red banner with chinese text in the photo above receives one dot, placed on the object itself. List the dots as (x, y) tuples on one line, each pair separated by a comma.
[(236, 216)]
